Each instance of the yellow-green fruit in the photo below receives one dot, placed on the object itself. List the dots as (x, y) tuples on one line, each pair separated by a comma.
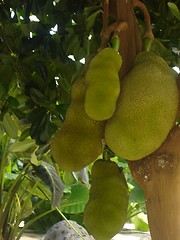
[(78, 142), (103, 86), (106, 210), (146, 110)]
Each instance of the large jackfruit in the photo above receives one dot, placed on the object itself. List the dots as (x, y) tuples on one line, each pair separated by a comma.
[(106, 210), (103, 86), (78, 142), (146, 109)]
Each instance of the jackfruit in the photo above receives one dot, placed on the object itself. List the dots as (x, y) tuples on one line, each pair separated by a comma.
[(78, 142), (103, 86), (146, 109), (106, 209)]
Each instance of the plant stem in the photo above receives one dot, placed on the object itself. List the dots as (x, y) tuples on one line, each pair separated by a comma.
[(20, 214), (4, 150), (8, 200), (70, 224), (115, 41), (147, 19), (32, 221)]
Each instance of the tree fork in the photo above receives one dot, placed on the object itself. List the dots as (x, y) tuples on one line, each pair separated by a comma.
[(159, 176)]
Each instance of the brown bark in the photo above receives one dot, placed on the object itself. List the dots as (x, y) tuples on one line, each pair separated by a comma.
[(130, 40), (130, 37)]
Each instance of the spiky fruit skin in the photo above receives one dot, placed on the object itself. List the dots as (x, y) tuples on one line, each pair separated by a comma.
[(146, 109), (106, 210), (78, 142), (103, 86)]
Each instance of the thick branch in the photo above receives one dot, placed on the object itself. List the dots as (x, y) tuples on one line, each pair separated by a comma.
[(147, 20), (131, 42), (158, 175)]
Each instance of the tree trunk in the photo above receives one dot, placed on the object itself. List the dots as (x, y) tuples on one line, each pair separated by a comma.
[(159, 176)]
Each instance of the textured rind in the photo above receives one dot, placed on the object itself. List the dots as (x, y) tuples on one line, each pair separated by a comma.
[(146, 110), (103, 86), (106, 210), (78, 142)]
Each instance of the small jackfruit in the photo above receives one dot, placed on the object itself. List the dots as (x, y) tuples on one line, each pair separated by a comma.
[(106, 210), (78, 142), (103, 86), (146, 110)]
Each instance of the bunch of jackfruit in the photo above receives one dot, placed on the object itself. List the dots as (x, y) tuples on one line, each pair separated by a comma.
[(132, 116)]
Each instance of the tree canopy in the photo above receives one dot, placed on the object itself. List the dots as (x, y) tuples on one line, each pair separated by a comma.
[(42, 44)]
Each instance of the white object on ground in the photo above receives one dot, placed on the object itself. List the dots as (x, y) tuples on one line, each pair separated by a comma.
[(63, 231)]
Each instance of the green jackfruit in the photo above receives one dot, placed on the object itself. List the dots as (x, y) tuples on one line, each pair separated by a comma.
[(78, 142), (146, 110), (103, 86), (106, 210)]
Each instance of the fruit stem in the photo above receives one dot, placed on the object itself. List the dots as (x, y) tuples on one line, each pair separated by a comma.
[(68, 222), (115, 42), (148, 34), (147, 43), (115, 27), (106, 155)]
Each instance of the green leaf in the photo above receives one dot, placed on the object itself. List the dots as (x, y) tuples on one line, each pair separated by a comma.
[(27, 209), (2, 91), (40, 191), (24, 134), (136, 194), (75, 202), (161, 50), (174, 10), (10, 176), (68, 178), (140, 222), (10, 126), (6, 74), (13, 102), (39, 98), (48, 174), (34, 159), (91, 14), (22, 146)]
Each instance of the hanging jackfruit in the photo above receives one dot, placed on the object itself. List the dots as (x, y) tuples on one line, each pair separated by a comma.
[(78, 142), (103, 86), (146, 110), (106, 210)]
